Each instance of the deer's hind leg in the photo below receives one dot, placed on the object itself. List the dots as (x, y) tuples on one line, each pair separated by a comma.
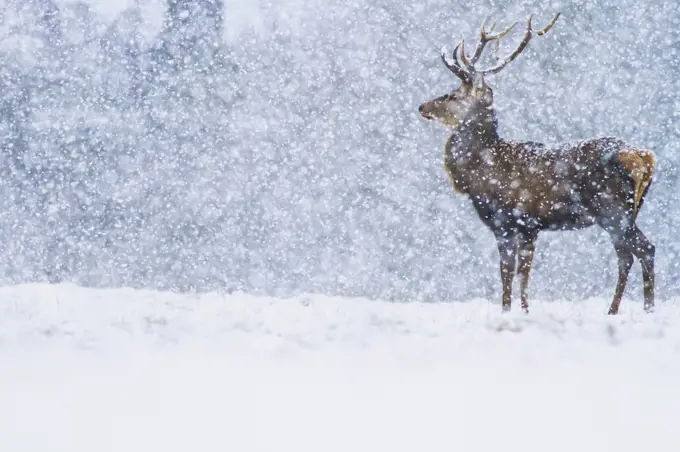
[(628, 242), (624, 254), (620, 229), (644, 250)]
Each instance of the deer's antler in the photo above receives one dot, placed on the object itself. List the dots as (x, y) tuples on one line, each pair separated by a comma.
[(467, 73), (455, 67), (484, 38), (527, 37)]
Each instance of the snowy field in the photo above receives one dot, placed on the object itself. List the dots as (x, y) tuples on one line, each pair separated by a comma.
[(127, 370)]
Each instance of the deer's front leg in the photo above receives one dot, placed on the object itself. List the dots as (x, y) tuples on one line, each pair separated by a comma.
[(507, 249), (524, 258)]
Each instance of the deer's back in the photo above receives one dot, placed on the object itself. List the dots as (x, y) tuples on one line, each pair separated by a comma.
[(563, 187)]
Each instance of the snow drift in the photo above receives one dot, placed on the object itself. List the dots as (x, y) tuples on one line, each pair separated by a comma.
[(131, 370)]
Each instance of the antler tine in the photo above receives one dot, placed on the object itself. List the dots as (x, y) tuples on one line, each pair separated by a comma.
[(550, 25), (455, 52), (464, 58), (469, 64), (527, 37), (501, 34), (482, 41), (513, 55), (455, 67), (486, 38)]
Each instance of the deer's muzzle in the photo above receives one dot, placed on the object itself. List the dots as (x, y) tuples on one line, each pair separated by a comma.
[(425, 114)]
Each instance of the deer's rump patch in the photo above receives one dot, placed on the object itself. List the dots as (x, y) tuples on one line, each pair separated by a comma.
[(640, 164)]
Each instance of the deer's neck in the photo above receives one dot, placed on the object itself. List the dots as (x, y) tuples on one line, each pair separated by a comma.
[(479, 134), (464, 150)]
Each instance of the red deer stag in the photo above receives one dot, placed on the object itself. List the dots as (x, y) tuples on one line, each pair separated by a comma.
[(519, 188)]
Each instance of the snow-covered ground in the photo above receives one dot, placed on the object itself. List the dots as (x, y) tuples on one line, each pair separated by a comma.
[(129, 370)]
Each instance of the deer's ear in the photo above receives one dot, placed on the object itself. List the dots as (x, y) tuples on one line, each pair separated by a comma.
[(478, 83)]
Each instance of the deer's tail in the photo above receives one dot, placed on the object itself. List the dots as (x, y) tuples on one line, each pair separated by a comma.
[(640, 165)]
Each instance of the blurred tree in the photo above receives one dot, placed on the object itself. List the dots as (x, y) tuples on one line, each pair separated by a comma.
[(191, 35)]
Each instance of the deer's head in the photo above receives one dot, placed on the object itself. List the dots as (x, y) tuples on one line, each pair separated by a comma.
[(471, 102)]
